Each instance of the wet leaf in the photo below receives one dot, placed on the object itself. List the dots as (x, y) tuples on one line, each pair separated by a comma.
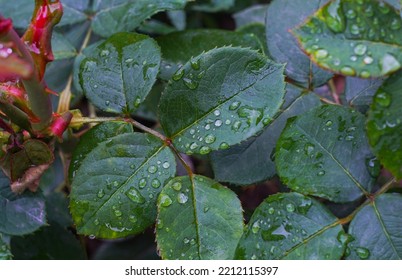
[(213, 5), (384, 125), (283, 15), (325, 153), (252, 160), (198, 219), (359, 92), (179, 47), (377, 229), (361, 38), (128, 15), (20, 214), (5, 252), (120, 72), (221, 98), (62, 48), (291, 226), (92, 138), (114, 191)]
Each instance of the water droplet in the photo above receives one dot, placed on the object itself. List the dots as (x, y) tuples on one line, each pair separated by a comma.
[(255, 66), (142, 183), (395, 24), (182, 198), (389, 64), (347, 70), (115, 183), (236, 125), (193, 146), (360, 49), (344, 238), (165, 200), (101, 193), (205, 150), (107, 102), (333, 15), (354, 29), (206, 209), (336, 62), (275, 233), (365, 74), (373, 166), (362, 253), (290, 207), (191, 84), (118, 213), (368, 60), (309, 149), (328, 123), (349, 137), (159, 223), (321, 173), (383, 98), (224, 146), (195, 64), (350, 14), (217, 113), (253, 116), (271, 210), (166, 165), (134, 195), (321, 53), (104, 53), (176, 186), (132, 218), (96, 222), (209, 139), (92, 237), (178, 75), (152, 169), (137, 102), (369, 11), (234, 105), (186, 240), (207, 127), (155, 183), (256, 227)]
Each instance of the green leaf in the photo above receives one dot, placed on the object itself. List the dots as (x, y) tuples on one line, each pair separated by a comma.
[(252, 160), (57, 209), (20, 214), (325, 153), (258, 29), (345, 37), (5, 252), (198, 219), (120, 72), (179, 47), (61, 47), (50, 243), (283, 15), (384, 125), (178, 19), (213, 5), (114, 190), (291, 226), (221, 98), (92, 138), (252, 14), (377, 229), (359, 92), (128, 15)]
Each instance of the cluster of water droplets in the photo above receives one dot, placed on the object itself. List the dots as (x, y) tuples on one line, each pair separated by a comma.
[(180, 194), (351, 21), (346, 240), (275, 227)]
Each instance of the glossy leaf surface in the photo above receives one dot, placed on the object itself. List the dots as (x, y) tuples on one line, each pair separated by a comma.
[(252, 161), (198, 219), (384, 126), (221, 98), (359, 92), (291, 226), (377, 230), (120, 72), (325, 153), (362, 38), (114, 191), (282, 16)]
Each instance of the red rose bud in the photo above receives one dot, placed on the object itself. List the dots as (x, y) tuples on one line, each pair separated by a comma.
[(60, 124), (5, 25)]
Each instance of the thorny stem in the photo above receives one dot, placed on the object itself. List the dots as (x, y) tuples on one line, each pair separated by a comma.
[(65, 95), (382, 190)]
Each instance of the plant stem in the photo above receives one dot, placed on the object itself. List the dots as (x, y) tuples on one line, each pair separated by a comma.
[(334, 94), (38, 98), (382, 190), (325, 100), (16, 116), (146, 129)]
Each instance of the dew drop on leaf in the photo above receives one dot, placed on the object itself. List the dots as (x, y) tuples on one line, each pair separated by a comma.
[(182, 198), (362, 253), (134, 195), (165, 200)]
